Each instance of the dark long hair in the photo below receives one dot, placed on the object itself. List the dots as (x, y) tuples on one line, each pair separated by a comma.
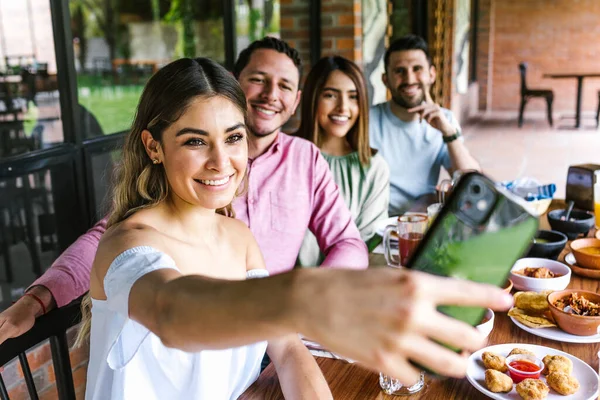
[(358, 136)]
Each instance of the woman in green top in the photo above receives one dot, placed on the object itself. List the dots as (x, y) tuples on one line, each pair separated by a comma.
[(335, 117)]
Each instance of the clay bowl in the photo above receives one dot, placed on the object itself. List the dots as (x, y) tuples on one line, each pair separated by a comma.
[(571, 323), (585, 259)]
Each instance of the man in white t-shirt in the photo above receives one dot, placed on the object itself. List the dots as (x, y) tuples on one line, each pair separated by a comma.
[(413, 134)]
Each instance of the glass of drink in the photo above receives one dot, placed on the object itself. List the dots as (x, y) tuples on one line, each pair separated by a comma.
[(411, 229), (393, 386)]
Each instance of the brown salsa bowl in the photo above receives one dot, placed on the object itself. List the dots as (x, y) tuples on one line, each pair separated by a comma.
[(571, 323), (585, 259)]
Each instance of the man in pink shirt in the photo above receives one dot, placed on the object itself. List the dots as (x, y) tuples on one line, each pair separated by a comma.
[(289, 190)]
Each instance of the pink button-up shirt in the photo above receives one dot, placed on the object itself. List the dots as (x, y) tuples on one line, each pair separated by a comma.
[(290, 190)]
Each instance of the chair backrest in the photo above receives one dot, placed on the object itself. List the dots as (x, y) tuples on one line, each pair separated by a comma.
[(523, 70), (51, 326)]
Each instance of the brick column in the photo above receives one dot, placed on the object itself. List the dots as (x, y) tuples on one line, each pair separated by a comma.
[(484, 53), (341, 29), (294, 24)]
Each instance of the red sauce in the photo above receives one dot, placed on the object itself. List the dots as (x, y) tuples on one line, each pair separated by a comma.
[(529, 369)]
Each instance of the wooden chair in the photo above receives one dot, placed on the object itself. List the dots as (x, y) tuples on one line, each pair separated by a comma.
[(51, 326), (527, 94)]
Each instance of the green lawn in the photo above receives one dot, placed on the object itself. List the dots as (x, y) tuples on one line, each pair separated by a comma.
[(113, 105)]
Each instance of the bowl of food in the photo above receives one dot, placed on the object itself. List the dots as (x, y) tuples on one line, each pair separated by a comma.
[(537, 274), (487, 323), (524, 366), (547, 244), (576, 311), (579, 222), (587, 252)]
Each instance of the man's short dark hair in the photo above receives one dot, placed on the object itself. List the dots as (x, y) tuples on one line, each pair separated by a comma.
[(408, 42), (271, 43)]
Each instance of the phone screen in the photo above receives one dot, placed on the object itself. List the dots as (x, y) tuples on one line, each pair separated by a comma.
[(478, 235)]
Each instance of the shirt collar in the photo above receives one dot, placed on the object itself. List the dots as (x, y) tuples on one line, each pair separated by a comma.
[(272, 149)]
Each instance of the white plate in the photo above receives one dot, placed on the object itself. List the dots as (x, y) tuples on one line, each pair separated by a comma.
[(587, 377), (557, 334)]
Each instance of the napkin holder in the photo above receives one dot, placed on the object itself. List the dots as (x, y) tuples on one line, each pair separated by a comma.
[(580, 185)]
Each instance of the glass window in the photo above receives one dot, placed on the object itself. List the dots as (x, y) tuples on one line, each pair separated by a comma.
[(255, 19), (37, 211), (118, 48), (29, 98)]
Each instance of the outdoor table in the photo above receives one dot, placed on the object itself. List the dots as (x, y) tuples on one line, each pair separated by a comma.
[(350, 381), (579, 77)]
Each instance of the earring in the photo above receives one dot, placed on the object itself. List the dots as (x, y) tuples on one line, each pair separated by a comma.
[(155, 161)]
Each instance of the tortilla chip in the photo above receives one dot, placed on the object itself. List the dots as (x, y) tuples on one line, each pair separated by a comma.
[(532, 321), (532, 302)]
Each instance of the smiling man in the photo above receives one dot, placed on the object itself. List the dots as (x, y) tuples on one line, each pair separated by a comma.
[(290, 186), (413, 134)]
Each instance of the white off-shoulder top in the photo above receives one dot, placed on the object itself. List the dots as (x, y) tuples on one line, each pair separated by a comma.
[(128, 362)]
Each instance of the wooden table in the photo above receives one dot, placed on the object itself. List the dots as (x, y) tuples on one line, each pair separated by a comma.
[(579, 78), (350, 381)]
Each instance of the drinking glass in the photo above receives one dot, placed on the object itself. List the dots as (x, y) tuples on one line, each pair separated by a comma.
[(410, 230), (394, 387)]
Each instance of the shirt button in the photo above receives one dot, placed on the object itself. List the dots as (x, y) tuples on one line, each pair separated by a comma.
[(251, 201)]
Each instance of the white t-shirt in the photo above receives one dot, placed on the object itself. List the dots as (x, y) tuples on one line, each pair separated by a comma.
[(414, 151)]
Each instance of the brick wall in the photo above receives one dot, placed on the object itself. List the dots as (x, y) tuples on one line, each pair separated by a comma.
[(40, 363), (341, 29), (552, 36), (341, 33), (484, 51)]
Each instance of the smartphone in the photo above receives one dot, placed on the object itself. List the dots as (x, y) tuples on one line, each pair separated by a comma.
[(479, 233)]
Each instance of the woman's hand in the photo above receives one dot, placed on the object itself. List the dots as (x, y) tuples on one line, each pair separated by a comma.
[(384, 317), (299, 375)]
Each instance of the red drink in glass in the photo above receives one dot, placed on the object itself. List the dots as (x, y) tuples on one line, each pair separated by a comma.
[(408, 242)]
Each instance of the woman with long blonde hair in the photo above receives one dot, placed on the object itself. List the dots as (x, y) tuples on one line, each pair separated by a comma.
[(170, 231), (335, 117)]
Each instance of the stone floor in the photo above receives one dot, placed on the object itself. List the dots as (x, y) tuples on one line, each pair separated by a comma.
[(537, 150)]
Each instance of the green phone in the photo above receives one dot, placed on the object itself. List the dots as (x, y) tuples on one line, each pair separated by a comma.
[(478, 235)]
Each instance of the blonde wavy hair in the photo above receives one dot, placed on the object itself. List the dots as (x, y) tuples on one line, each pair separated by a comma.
[(139, 183)]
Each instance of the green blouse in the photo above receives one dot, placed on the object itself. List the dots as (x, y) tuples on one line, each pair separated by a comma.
[(366, 191)]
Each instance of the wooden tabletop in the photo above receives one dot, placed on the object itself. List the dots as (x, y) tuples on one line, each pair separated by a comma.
[(350, 381)]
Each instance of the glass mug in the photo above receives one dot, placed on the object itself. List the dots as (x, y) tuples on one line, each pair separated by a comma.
[(410, 230)]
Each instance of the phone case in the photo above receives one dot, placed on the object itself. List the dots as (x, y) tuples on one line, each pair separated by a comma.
[(478, 235)]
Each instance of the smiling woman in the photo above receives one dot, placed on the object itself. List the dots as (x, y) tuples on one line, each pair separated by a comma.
[(183, 162), (335, 117)]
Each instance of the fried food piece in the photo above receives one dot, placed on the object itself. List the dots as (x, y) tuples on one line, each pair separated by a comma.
[(494, 361), (532, 321), (542, 273), (532, 389), (516, 350), (532, 302), (562, 383), (497, 382), (557, 364)]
